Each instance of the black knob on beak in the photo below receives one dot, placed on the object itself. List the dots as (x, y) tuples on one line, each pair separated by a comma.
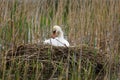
[(54, 31)]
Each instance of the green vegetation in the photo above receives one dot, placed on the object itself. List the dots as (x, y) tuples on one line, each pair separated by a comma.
[(94, 23)]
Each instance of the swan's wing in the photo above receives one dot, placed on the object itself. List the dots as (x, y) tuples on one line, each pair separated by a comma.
[(51, 42), (66, 43), (62, 42)]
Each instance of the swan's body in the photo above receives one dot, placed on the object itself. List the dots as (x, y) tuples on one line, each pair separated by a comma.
[(57, 42), (57, 38)]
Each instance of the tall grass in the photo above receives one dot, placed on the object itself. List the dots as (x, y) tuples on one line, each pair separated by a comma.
[(95, 23)]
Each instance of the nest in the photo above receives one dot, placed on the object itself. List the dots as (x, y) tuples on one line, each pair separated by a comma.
[(50, 57)]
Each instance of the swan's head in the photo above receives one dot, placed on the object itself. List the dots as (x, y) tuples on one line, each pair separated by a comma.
[(57, 32)]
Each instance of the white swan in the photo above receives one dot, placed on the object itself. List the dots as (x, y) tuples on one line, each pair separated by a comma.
[(57, 38)]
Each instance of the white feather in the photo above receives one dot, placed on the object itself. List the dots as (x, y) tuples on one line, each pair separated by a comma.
[(59, 40)]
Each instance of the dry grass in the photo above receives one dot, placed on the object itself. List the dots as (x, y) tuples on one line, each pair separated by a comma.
[(58, 59), (95, 23)]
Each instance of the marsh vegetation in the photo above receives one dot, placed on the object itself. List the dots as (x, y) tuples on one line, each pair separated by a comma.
[(92, 23)]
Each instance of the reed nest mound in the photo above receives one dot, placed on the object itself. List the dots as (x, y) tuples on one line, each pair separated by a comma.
[(50, 57)]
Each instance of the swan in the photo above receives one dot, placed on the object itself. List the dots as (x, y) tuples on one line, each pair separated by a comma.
[(57, 38)]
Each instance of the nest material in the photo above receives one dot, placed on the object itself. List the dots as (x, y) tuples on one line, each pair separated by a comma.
[(46, 54)]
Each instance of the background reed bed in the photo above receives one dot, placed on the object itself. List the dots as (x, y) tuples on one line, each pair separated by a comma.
[(94, 23)]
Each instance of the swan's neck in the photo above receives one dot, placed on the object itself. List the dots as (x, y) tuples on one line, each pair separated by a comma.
[(61, 35)]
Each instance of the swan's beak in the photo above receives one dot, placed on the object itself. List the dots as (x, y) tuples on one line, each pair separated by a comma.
[(54, 34)]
